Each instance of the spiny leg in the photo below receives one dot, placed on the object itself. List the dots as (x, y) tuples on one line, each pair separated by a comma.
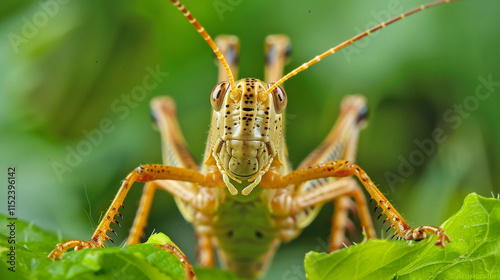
[(342, 168), (174, 153), (144, 173)]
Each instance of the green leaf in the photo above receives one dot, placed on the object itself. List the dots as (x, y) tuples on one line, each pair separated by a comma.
[(474, 251), (142, 261)]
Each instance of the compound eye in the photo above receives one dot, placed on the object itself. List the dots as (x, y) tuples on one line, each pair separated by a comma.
[(218, 94), (279, 97)]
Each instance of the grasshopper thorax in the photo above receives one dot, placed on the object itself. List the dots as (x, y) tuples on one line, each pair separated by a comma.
[(248, 130)]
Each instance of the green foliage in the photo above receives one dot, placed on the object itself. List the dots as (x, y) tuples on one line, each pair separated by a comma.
[(142, 261), (474, 250)]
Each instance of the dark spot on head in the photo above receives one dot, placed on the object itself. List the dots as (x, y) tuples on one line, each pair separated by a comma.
[(258, 234), (230, 233)]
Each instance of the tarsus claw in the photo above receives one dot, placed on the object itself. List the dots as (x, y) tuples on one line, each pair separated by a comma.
[(77, 244), (421, 233)]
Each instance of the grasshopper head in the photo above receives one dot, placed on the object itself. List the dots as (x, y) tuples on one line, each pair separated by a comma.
[(247, 126)]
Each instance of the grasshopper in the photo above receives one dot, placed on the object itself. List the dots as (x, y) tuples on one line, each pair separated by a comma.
[(245, 198)]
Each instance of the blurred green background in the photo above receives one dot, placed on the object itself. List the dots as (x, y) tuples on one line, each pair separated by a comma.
[(65, 65)]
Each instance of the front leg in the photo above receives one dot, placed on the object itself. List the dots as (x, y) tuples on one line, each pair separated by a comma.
[(144, 173), (342, 168)]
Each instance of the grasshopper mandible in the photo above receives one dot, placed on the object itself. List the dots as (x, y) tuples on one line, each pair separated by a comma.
[(245, 198)]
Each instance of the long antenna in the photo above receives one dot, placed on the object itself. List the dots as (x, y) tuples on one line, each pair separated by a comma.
[(352, 40), (207, 38)]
